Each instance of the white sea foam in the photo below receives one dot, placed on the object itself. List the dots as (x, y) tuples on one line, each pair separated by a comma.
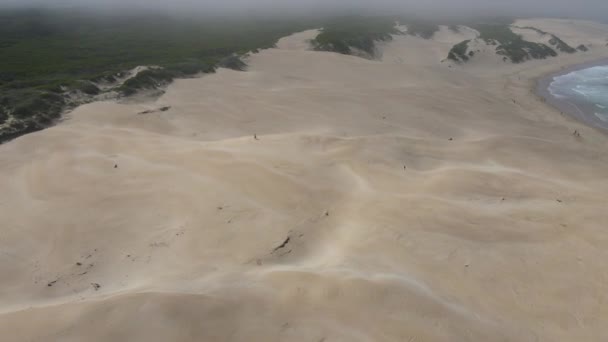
[(602, 116), (585, 85)]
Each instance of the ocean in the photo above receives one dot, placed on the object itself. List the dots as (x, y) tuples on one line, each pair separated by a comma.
[(585, 90)]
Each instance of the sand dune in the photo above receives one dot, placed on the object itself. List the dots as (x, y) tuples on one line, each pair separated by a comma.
[(573, 32), (383, 200)]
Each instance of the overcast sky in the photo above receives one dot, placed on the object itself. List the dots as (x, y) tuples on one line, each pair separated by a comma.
[(597, 9)]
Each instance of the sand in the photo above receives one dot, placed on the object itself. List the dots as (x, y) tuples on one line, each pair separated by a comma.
[(402, 199)]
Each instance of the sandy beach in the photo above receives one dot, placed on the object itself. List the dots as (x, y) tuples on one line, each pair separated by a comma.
[(316, 197)]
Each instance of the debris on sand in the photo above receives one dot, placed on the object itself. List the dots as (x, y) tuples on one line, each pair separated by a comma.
[(282, 245), (51, 283), (96, 286), (150, 111)]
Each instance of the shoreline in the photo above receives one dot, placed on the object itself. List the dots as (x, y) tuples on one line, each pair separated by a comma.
[(580, 111)]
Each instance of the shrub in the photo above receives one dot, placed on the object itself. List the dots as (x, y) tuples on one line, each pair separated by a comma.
[(511, 45), (560, 45), (361, 33), (36, 104), (147, 79), (233, 62), (87, 87), (3, 115), (190, 68), (458, 53)]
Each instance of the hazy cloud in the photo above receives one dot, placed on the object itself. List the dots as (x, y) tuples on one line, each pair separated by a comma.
[(581, 8)]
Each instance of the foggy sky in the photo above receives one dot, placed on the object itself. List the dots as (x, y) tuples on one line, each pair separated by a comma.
[(592, 9)]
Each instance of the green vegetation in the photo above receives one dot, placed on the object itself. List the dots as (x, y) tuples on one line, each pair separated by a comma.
[(233, 62), (512, 46), (355, 34), (156, 77), (83, 44), (86, 87), (345, 34), (555, 41), (458, 53), (148, 79), (26, 110), (560, 45), (51, 61), (46, 54)]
